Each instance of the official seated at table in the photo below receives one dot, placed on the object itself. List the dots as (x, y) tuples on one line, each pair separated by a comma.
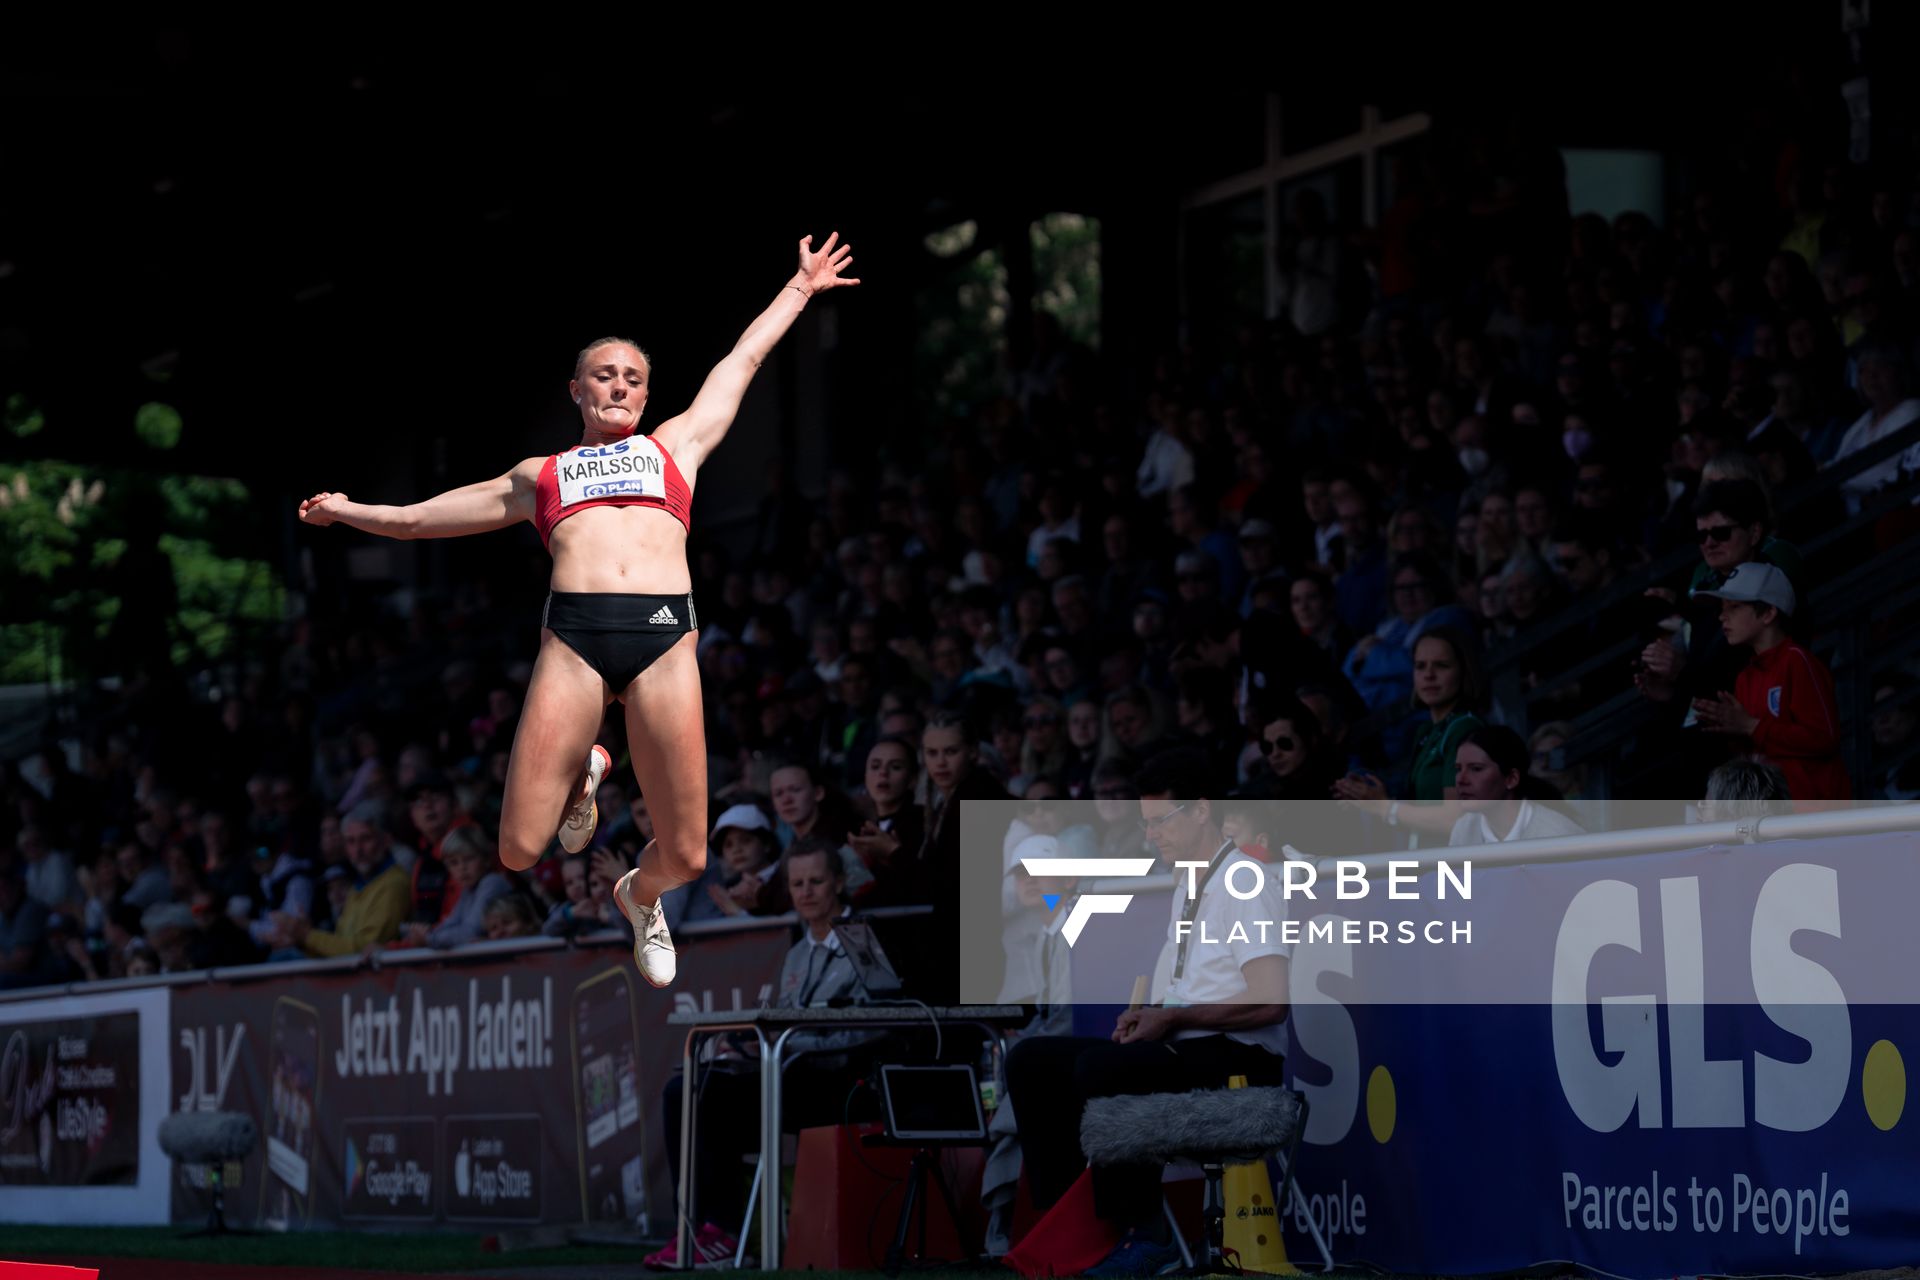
[(1224, 1014), (836, 961)]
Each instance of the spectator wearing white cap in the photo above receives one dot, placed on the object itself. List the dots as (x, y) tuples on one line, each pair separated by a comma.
[(1732, 519), (1783, 701), (749, 853)]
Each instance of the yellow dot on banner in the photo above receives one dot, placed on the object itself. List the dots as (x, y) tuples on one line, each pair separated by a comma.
[(1883, 1083), (1381, 1104)]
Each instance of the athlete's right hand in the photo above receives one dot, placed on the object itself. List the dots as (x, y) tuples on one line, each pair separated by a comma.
[(323, 508)]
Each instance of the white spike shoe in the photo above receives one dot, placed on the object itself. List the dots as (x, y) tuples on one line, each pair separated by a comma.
[(576, 829), (652, 945)]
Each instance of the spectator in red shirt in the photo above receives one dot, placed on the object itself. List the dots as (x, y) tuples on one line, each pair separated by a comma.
[(435, 813), (1783, 699)]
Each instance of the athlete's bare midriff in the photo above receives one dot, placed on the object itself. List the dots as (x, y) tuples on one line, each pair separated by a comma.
[(633, 550)]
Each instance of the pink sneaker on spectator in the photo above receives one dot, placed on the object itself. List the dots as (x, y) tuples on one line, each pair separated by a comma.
[(713, 1249)]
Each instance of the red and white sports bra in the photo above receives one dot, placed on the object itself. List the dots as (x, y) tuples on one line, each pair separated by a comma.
[(631, 472)]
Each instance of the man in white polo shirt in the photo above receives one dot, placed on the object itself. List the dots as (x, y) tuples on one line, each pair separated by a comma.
[(1224, 1014)]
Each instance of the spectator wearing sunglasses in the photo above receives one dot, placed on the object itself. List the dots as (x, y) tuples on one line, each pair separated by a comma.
[(1301, 764), (1732, 519), (1733, 522)]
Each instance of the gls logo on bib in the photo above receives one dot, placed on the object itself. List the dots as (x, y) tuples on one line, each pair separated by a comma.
[(625, 469)]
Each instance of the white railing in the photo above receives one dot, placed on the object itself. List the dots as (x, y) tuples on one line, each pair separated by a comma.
[(1870, 819), (403, 956)]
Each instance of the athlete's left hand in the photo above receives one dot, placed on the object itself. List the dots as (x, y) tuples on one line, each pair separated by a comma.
[(821, 270)]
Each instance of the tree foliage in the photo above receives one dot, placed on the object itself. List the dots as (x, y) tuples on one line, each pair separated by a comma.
[(109, 568)]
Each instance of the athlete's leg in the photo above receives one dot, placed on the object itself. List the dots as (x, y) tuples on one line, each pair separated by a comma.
[(667, 736), (565, 701)]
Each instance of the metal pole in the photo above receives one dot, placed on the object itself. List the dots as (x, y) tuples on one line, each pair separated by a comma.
[(683, 1195), (771, 1199)]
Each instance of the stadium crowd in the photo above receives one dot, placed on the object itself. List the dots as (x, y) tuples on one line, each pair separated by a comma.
[(1316, 554)]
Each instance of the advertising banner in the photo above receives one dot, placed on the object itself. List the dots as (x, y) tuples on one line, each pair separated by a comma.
[(520, 1090), (1693, 1062), (80, 1111)]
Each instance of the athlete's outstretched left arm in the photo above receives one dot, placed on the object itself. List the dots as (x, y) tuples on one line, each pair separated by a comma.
[(695, 433)]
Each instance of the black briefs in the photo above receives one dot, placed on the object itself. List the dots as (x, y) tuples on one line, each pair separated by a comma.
[(618, 635)]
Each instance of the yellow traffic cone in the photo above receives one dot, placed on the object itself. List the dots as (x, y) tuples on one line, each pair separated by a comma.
[(1253, 1219)]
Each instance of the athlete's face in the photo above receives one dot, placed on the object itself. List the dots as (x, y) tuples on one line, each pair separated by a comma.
[(612, 389)]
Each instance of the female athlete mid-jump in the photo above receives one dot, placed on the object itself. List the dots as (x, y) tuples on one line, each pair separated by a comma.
[(620, 620)]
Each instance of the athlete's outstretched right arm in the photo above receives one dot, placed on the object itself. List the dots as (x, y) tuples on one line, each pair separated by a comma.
[(475, 508)]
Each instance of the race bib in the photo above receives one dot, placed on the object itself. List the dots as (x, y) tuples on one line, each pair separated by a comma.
[(630, 468)]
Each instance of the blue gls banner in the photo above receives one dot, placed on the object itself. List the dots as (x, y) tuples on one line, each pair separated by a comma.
[(1668, 1064)]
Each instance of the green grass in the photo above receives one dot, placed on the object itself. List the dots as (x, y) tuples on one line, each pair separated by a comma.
[(369, 1250), (372, 1251), (376, 1251)]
